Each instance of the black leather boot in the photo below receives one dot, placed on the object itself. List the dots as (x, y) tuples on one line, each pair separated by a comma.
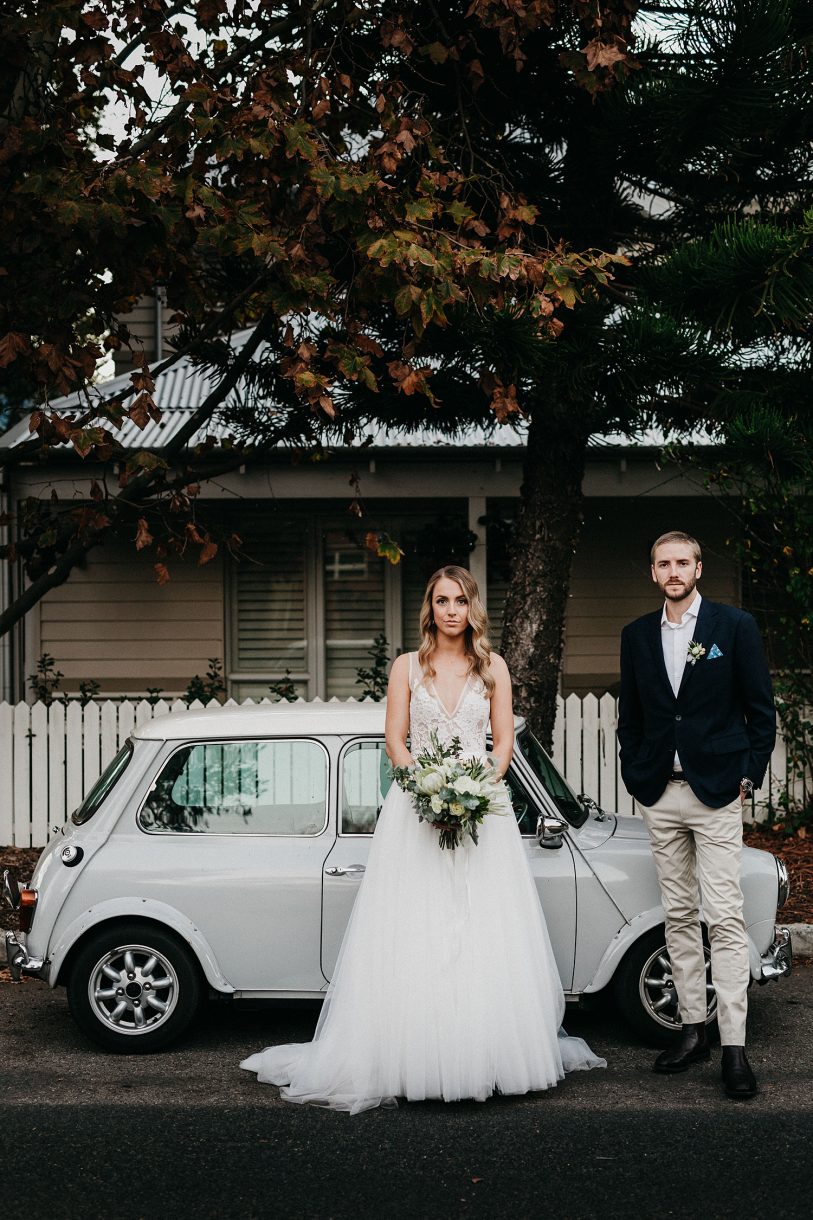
[(691, 1047), (738, 1079)]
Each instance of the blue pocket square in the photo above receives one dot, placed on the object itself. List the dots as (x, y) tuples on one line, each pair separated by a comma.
[(714, 653)]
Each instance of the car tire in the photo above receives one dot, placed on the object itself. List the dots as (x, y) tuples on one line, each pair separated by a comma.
[(134, 987), (644, 992)]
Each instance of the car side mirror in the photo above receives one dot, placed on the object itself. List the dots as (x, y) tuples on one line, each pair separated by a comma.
[(549, 831)]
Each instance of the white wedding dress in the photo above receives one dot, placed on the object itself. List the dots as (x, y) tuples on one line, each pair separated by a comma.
[(445, 986)]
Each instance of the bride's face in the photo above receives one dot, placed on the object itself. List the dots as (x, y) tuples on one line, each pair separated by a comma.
[(450, 607)]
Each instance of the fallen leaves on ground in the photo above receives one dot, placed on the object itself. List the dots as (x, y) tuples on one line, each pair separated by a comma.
[(798, 855)]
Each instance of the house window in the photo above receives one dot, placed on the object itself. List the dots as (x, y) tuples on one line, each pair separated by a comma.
[(307, 597), (269, 591), (354, 609)]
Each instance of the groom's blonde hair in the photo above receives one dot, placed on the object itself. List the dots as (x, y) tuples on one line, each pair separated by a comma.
[(478, 645), (676, 536)]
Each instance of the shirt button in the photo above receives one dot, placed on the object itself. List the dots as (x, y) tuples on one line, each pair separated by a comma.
[(678, 717)]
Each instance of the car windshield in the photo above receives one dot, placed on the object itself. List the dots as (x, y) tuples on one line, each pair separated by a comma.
[(104, 784), (557, 787)]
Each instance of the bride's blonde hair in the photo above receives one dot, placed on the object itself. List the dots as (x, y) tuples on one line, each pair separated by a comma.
[(478, 645)]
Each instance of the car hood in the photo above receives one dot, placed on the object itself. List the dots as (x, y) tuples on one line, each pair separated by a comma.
[(629, 828)]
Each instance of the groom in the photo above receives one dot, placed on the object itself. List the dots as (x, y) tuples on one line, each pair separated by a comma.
[(696, 725)]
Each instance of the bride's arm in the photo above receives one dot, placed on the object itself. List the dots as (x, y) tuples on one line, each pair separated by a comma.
[(502, 715), (397, 722)]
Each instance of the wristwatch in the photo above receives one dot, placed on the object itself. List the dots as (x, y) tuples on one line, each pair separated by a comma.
[(747, 786)]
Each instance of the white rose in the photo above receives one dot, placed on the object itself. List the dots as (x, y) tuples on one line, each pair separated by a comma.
[(437, 804), (457, 809), (467, 786)]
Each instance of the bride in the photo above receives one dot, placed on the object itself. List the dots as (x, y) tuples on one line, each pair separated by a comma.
[(445, 986)]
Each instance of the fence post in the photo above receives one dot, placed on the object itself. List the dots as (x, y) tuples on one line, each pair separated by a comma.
[(6, 774), (21, 834), (40, 826), (57, 813)]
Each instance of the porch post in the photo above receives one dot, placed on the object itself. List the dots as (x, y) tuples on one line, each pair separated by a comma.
[(477, 558)]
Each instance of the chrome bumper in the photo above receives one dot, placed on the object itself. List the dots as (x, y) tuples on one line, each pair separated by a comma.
[(19, 962), (778, 959)]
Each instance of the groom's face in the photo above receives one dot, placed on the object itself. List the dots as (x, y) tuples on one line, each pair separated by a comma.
[(675, 570)]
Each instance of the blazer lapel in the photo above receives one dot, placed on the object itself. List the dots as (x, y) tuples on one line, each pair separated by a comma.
[(703, 631), (656, 646)]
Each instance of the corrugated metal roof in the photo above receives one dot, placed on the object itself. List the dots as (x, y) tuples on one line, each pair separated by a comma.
[(181, 389)]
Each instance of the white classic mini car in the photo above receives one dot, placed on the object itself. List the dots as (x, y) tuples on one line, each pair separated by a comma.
[(221, 851)]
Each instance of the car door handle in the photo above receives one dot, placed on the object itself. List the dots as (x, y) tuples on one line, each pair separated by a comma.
[(350, 870)]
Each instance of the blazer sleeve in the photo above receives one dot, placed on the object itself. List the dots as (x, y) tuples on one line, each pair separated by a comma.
[(756, 693), (630, 712)]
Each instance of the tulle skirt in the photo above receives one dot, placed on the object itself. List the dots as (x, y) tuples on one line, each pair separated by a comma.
[(445, 986)]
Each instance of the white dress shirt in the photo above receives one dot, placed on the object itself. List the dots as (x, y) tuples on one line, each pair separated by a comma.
[(676, 638)]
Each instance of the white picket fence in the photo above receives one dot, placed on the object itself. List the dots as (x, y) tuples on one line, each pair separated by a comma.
[(50, 756)]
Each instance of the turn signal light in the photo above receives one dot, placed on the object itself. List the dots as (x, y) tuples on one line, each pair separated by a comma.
[(28, 905)]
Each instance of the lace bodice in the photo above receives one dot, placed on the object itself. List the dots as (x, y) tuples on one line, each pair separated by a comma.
[(468, 721)]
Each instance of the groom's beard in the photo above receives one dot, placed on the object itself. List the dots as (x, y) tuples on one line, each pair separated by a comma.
[(676, 593)]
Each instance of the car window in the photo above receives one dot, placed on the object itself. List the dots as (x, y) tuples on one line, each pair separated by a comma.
[(365, 782), (557, 787), (240, 787), (103, 786)]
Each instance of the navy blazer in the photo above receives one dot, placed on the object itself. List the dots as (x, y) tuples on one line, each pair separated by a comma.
[(722, 721)]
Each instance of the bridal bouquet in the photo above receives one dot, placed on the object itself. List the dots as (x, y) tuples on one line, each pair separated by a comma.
[(452, 793)]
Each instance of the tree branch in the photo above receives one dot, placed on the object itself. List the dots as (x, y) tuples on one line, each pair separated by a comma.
[(136, 490)]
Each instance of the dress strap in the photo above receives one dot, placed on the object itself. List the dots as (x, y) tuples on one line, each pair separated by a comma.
[(414, 671)]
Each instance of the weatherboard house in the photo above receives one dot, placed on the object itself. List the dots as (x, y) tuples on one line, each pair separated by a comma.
[(308, 596)]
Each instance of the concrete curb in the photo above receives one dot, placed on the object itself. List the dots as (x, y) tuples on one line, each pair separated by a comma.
[(801, 935)]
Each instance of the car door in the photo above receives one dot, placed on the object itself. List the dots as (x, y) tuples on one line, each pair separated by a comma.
[(554, 872), (363, 784), (234, 834)]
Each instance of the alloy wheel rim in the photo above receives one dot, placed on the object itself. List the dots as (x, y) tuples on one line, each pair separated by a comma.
[(133, 989), (658, 993)]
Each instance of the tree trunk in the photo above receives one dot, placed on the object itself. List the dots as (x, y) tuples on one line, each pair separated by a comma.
[(542, 554)]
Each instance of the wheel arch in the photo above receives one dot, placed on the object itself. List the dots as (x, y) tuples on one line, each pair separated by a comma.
[(629, 933), (122, 910), (626, 936)]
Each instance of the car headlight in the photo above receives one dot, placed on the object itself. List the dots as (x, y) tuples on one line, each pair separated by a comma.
[(783, 877)]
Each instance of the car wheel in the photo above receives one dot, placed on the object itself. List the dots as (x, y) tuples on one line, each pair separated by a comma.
[(645, 994), (134, 987)]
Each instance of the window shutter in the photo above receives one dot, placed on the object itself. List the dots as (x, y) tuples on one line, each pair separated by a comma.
[(270, 592)]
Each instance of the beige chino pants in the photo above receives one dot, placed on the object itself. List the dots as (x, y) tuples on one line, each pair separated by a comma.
[(692, 843)]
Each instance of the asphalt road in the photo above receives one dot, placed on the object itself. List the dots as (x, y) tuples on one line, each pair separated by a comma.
[(185, 1133)]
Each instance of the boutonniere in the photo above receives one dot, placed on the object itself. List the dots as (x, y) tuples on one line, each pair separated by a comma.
[(694, 653)]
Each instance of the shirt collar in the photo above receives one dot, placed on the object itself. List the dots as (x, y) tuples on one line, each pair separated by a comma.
[(692, 612)]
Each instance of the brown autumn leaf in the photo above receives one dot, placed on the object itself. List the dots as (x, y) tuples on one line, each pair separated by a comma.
[(139, 412), (602, 54), (407, 379), (161, 573), (11, 346), (208, 552), (504, 402), (143, 536)]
